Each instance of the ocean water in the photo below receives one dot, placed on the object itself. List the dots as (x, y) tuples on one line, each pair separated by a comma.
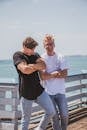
[(8, 74)]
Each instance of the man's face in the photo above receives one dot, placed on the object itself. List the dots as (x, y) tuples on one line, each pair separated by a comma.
[(49, 45), (28, 51)]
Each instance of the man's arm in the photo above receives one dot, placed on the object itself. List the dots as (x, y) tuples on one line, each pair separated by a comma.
[(30, 68), (46, 76), (55, 74)]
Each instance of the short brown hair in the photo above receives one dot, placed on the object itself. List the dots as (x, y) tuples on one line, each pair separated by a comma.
[(30, 43)]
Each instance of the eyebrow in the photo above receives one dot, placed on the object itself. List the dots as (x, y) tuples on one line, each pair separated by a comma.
[(49, 44)]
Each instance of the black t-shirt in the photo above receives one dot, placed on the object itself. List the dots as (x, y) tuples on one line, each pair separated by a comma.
[(29, 84)]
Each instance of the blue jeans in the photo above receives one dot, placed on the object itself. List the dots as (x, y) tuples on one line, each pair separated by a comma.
[(60, 104), (26, 106)]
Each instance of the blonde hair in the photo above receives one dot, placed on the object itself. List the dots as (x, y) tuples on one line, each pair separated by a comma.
[(48, 37)]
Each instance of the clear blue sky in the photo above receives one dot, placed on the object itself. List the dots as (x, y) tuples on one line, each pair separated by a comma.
[(66, 19)]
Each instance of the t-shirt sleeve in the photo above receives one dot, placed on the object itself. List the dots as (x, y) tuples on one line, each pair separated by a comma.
[(37, 56), (63, 63), (17, 58)]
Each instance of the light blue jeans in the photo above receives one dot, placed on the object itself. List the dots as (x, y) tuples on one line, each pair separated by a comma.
[(60, 103), (26, 106)]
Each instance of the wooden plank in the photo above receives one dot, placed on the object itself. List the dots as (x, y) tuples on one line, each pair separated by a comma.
[(74, 78), (7, 114), (2, 94), (9, 101), (13, 91), (8, 87), (75, 97), (6, 126), (10, 115), (76, 87), (74, 105)]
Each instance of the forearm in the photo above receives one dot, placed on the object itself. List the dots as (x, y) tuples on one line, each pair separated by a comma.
[(30, 68), (39, 66), (46, 76), (55, 74), (26, 68)]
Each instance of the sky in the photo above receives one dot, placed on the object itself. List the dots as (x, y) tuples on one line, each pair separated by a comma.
[(65, 19)]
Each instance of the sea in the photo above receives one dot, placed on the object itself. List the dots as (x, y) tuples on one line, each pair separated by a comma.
[(77, 65)]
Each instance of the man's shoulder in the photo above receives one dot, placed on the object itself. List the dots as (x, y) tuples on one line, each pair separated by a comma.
[(36, 55), (18, 53)]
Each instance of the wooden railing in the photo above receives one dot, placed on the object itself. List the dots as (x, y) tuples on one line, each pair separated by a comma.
[(76, 92)]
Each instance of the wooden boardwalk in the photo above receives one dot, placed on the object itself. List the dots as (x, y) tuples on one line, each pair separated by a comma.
[(77, 120), (79, 125)]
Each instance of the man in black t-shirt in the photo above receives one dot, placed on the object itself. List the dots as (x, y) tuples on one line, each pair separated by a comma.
[(28, 64)]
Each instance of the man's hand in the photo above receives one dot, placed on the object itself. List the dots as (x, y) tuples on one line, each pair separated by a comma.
[(54, 74), (60, 73)]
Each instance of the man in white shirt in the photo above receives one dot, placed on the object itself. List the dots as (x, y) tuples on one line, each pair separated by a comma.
[(54, 82)]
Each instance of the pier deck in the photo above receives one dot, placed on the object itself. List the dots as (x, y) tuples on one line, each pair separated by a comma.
[(77, 120), (81, 124), (78, 125)]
